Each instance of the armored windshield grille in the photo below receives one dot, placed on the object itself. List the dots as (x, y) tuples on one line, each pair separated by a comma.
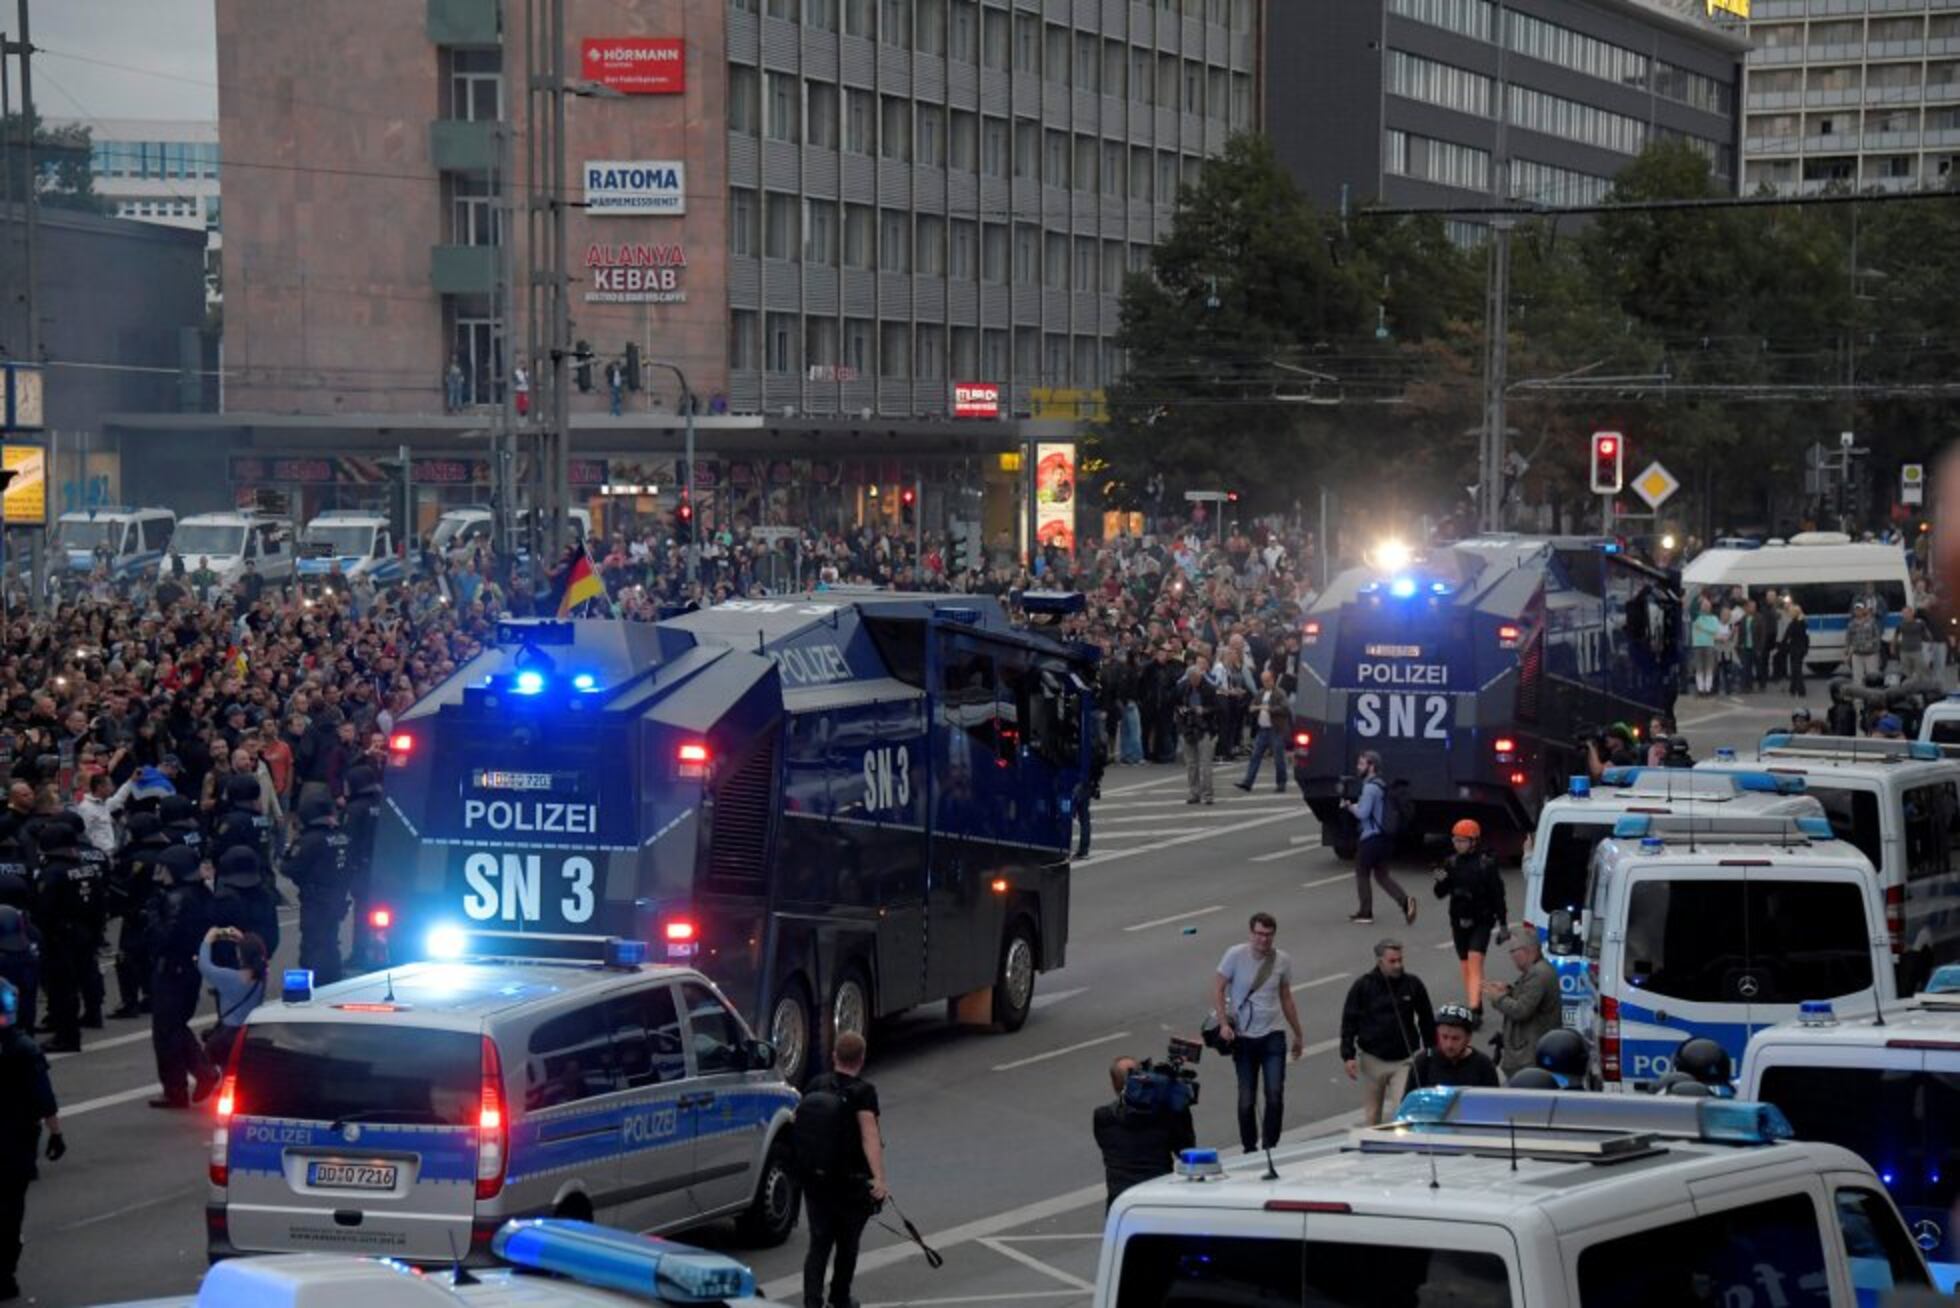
[(742, 809)]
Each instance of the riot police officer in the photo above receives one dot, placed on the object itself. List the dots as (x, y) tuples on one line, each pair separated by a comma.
[(20, 955), (180, 825), (16, 872), (240, 897), (133, 883), (361, 821), (27, 1104), (179, 915), (243, 824), (68, 908), (99, 866), (317, 864)]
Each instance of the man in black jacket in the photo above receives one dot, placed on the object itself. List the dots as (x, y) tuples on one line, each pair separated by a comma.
[(1385, 1022), (1453, 1061), (180, 914), (1470, 880), (361, 822), (1138, 1143), (1197, 725)]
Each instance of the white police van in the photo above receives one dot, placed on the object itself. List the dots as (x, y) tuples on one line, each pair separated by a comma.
[(130, 541), (562, 1264), (1716, 933), (361, 543), (1492, 1198), (1940, 723), (459, 532), (1885, 1085), (1558, 857), (226, 542), (411, 1112), (1826, 571), (1899, 802)]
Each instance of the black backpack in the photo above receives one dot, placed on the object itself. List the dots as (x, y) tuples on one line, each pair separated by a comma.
[(1398, 809), (822, 1136)]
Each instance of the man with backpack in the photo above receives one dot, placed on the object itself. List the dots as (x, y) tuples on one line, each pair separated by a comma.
[(842, 1163), (1381, 817)]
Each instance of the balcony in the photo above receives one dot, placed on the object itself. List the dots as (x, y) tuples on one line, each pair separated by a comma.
[(464, 269), (460, 146), (463, 23)]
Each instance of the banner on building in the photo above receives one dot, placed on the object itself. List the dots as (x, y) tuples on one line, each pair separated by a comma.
[(1054, 494), (976, 400), (632, 273), (27, 493), (643, 188), (636, 65)]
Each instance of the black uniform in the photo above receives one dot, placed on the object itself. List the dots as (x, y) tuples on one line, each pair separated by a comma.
[(1475, 889), (20, 956), (317, 864), (132, 884), (68, 903), (362, 820), (179, 915), (1432, 1069), (240, 898), (99, 866), (838, 1203), (241, 824), (1138, 1144), (26, 1097)]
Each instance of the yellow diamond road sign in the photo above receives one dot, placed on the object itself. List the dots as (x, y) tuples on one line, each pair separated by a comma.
[(1655, 485)]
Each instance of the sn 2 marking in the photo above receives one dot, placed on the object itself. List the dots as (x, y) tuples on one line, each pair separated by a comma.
[(1408, 717), (510, 887)]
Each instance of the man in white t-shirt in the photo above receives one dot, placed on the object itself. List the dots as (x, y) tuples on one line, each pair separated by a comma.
[(1251, 993)]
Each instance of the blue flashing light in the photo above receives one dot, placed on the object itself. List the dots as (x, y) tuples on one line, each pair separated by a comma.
[(1776, 740), (1610, 547), (446, 942), (1768, 783), (1888, 1176), (1923, 751), (1402, 587), (1631, 826), (1652, 844), (618, 1260), (1619, 776), (1439, 588), (1944, 981), (1724, 754), (1817, 828), (1580, 787), (528, 682), (1197, 1164), (1816, 1012), (296, 987), (1726, 1121), (625, 953), (585, 681)]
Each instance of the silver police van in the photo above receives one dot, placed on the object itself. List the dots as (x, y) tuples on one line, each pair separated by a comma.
[(412, 1112)]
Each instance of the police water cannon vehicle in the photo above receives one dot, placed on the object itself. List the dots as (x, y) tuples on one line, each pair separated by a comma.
[(1478, 673), (361, 544), (839, 805)]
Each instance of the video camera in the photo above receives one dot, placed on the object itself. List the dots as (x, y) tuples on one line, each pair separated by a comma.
[(1170, 1086)]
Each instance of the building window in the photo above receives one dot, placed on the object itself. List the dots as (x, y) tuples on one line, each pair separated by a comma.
[(993, 147), (1439, 84), (1574, 121), (1241, 113), (1085, 164), (860, 122), (966, 352), (896, 27), (744, 99), (1115, 70), (860, 19), (1143, 77), (895, 351), (779, 343), (476, 342), (929, 354), (963, 252), (963, 31), (857, 345), (779, 226), (993, 254), (931, 143), (1194, 87), (1548, 184), (1112, 267), (1550, 43), (1444, 162), (1085, 263), (1112, 169), (742, 340), (1087, 348), (1027, 254), (1166, 81), (1027, 354), (1027, 149), (476, 85), (1140, 173), (1166, 177), (1477, 18), (1055, 158), (781, 105), (820, 15), (475, 212), (962, 141), (993, 354), (932, 29), (894, 241), (930, 260), (784, 9), (994, 39), (1027, 44), (1056, 63), (821, 102), (820, 232), (1088, 62), (895, 129), (820, 340), (1054, 261), (744, 227), (1693, 89), (859, 236)]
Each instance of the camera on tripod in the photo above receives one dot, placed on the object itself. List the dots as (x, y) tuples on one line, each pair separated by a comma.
[(1169, 1086)]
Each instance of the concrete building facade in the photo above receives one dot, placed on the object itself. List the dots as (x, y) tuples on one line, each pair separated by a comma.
[(161, 171), (1436, 102)]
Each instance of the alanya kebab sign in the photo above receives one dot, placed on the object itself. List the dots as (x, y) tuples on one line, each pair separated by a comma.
[(635, 273)]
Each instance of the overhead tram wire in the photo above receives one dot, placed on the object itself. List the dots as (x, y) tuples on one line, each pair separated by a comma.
[(1652, 206)]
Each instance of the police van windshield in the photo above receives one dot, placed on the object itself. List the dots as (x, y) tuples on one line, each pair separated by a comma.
[(1568, 854), (341, 538), (1821, 597), (1853, 815), (329, 1072), (1712, 940), (1906, 1124), (207, 539), (88, 535), (1210, 1271)]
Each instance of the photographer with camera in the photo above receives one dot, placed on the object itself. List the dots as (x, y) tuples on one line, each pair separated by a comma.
[(1197, 727), (1250, 993), (1141, 1131)]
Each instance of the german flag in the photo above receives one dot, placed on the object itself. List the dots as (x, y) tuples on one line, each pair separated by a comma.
[(581, 584)]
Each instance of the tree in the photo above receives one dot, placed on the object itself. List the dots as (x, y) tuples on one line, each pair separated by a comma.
[(62, 157)]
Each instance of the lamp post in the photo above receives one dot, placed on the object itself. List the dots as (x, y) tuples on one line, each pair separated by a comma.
[(687, 481)]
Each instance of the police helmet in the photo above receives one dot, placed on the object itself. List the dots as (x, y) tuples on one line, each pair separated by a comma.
[(241, 789), (177, 808), (1562, 1052), (239, 866), (1704, 1060), (1533, 1078), (178, 863), (1685, 1087), (52, 835), (9, 1003), (13, 931), (1456, 1015), (144, 826), (362, 777), (73, 821), (315, 807)]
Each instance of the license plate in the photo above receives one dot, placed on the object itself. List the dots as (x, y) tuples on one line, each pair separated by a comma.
[(352, 1176)]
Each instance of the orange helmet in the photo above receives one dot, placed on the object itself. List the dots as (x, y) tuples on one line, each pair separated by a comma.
[(1468, 829)]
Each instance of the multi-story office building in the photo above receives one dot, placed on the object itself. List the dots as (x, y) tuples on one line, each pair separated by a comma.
[(1856, 94), (1434, 102), (161, 171), (820, 210)]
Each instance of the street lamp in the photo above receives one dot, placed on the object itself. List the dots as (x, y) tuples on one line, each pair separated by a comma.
[(687, 479)]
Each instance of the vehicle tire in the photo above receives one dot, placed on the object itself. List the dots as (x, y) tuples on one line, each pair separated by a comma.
[(789, 1031), (574, 1207), (1339, 837), (771, 1215), (850, 1006), (1014, 982)]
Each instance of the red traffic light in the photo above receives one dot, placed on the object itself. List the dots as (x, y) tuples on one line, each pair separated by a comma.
[(1607, 445), (1608, 462), (908, 495), (685, 512)]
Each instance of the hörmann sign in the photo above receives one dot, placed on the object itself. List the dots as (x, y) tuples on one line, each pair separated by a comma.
[(640, 187), (632, 273), (636, 65)]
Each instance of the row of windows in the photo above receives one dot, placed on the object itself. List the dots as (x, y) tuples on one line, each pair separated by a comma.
[(786, 343), (1440, 84), (1543, 183), (154, 159), (1443, 162), (1557, 116), (174, 208), (1720, 156), (1693, 89), (1475, 18), (955, 27), (1538, 39), (824, 233)]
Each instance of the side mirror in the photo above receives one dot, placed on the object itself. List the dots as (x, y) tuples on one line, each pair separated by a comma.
[(1559, 933), (761, 1055)]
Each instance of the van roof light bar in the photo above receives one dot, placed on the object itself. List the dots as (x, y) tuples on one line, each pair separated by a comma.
[(1733, 829), (618, 1260), (1849, 748), (1712, 1121)]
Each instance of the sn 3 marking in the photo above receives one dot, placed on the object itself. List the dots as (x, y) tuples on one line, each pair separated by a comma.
[(887, 778), (510, 887), (1408, 717)]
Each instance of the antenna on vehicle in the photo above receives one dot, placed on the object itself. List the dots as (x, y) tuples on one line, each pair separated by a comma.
[(458, 1273), (389, 998), (1434, 1184), (1878, 1009), (1512, 1122), (1272, 1173)]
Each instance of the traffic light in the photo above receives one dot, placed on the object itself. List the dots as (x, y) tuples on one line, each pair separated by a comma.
[(632, 366), (1231, 497), (684, 522), (1609, 457), (582, 365), (908, 503)]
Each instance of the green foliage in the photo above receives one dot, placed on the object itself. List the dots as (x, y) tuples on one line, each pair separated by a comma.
[(61, 162)]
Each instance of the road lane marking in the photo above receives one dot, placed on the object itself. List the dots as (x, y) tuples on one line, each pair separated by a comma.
[(1176, 917), (1035, 1264), (126, 1210), (1326, 881), (1100, 820), (96, 1046), (1322, 981), (1137, 786), (1052, 1053), (954, 1301), (110, 1101), (1057, 996), (1319, 1047), (1306, 847), (1208, 833)]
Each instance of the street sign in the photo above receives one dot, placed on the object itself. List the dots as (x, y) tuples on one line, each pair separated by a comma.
[(1205, 497), (1656, 485), (26, 502), (1912, 483)]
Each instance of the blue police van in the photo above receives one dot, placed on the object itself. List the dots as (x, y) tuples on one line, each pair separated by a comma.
[(838, 805)]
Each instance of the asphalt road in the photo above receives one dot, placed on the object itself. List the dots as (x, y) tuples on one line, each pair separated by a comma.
[(987, 1136)]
